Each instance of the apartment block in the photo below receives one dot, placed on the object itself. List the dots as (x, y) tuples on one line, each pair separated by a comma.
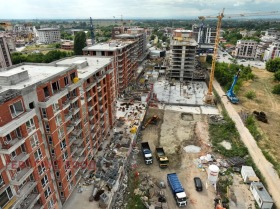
[(183, 52), (263, 45), (5, 57), (272, 51), (204, 34), (246, 49), (124, 54), (53, 120), (49, 35)]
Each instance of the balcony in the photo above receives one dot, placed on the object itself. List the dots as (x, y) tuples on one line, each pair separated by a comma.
[(69, 128), (17, 161), (73, 150), (68, 116), (9, 127), (76, 121), (38, 206), (90, 108), (9, 146), (66, 104), (72, 139), (77, 131), (79, 152), (78, 142), (25, 200), (53, 99), (21, 176), (75, 109)]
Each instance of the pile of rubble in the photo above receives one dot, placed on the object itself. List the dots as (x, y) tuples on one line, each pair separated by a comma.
[(216, 119), (152, 192)]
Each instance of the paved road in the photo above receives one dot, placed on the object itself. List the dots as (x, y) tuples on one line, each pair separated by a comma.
[(271, 177)]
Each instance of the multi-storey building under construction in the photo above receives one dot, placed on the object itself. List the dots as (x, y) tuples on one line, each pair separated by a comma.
[(53, 120)]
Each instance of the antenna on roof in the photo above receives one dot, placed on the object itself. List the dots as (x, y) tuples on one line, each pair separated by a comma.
[(91, 32)]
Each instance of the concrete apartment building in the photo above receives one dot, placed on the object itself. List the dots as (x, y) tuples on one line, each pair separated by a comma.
[(183, 48), (49, 35), (5, 57), (204, 34), (53, 119), (263, 45), (127, 51), (246, 49), (272, 51)]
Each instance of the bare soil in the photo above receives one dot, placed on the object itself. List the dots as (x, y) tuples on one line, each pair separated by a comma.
[(267, 102), (173, 132)]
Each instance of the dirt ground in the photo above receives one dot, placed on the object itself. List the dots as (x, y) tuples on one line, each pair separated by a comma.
[(173, 133), (267, 102)]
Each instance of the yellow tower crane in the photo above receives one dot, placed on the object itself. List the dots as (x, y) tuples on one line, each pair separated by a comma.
[(209, 97)]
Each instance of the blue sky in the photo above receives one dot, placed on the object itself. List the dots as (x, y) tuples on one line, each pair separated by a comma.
[(32, 9)]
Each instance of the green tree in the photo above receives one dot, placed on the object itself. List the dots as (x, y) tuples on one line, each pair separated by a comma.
[(209, 59), (276, 89), (273, 65), (79, 43), (277, 75)]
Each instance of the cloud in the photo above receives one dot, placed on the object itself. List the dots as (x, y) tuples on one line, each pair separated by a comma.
[(73, 9)]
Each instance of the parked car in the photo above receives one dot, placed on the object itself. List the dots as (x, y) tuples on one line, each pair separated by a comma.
[(198, 184)]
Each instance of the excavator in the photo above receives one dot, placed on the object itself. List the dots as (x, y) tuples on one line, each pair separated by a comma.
[(230, 93), (152, 120)]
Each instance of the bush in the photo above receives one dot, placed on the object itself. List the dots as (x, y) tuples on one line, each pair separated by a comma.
[(277, 75), (250, 95), (273, 65), (276, 89)]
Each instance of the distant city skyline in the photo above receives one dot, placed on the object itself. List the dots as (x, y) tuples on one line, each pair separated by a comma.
[(109, 9)]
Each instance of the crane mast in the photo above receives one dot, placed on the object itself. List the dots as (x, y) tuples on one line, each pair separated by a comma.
[(209, 97)]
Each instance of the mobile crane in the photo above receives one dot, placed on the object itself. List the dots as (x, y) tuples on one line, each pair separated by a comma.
[(230, 93), (209, 97)]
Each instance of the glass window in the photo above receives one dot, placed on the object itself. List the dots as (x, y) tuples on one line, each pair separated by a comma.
[(41, 168), (30, 125), (38, 154), (47, 192), (44, 181), (16, 109), (5, 197), (34, 141)]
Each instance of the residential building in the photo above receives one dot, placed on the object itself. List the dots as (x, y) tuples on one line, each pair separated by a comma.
[(53, 119), (263, 45), (273, 32), (246, 33), (204, 34), (5, 57), (125, 55), (183, 50), (67, 45), (272, 51), (49, 35), (245, 49), (261, 195)]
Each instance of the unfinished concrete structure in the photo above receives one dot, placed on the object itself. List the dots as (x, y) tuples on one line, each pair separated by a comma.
[(5, 57), (183, 48)]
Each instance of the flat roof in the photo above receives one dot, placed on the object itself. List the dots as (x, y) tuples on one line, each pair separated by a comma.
[(93, 64), (188, 42), (42, 29), (262, 192), (36, 72), (108, 46)]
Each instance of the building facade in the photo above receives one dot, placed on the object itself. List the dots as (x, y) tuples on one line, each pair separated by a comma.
[(263, 45), (126, 53), (5, 57), (246, 49), (53, 120), (272, 51), (204, 34), (49, 35), (183, 52)]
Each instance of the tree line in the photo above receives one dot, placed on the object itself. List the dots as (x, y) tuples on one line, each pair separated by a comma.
[(273, 65), (51, 56)]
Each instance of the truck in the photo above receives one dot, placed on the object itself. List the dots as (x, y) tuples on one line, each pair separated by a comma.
[(177, 189), (161, 157), (147, 153)]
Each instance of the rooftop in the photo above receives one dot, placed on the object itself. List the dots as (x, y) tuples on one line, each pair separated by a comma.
[(43, 29), (86, 64), (187, 42), (262, 192), (110, 46), (36, 73)]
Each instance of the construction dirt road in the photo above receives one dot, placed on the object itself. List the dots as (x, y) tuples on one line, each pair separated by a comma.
[(265, 167), (174, 132)]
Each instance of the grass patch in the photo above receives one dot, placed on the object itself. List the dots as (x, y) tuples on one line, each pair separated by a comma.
[(133, 200), (250, 95), (250, 123), (228, 132)]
